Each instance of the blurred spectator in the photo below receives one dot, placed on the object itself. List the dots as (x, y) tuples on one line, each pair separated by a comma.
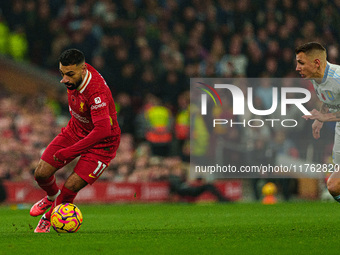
[(234, 63), (286, 61), (4, 35), (16, 16), (148, 83), (159, 123), (171, 87), (123, 172), (182, 124), (264, 92), (98, 62), (255, 66), (18, 44), (125, 113), (40, 40), (105, 10)]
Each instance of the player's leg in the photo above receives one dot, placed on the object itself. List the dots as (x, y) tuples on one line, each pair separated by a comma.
[(333, 183), (44, 174), (69, 191), (87, 171)]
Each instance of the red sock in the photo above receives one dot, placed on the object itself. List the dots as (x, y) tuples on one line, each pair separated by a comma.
[(66, 196), (49, 185)]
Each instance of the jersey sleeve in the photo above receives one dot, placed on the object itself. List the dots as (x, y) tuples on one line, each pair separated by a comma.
[(99, 105), (102, 129)]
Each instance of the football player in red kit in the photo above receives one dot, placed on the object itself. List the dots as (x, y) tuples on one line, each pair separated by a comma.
[(92, 133)]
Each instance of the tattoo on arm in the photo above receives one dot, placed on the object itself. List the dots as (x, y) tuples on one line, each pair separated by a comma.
[(324, 108)]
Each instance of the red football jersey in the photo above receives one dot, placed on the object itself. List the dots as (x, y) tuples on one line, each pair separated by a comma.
[(92, 102)]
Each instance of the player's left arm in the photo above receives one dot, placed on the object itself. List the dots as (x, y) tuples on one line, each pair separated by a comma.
[(102, 129), (323, 115)]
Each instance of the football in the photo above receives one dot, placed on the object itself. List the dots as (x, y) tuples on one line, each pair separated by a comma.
[(66, 218), (269, 189)]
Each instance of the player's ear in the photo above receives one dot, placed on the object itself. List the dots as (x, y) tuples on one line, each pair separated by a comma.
[(317, 62), (84, 68)]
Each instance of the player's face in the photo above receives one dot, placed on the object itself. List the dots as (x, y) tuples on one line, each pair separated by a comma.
[(306, 66), (72, 75)]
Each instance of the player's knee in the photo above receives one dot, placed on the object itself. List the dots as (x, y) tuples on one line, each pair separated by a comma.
[(40, 174), (333, 186), (43, 171), (75, 183)]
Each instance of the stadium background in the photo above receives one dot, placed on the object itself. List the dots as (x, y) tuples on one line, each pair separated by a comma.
[(147, 51)]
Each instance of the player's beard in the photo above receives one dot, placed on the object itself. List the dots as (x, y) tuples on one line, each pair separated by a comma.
[(72, 86)]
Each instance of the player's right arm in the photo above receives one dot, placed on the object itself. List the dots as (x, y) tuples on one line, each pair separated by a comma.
[(319, 117), (317, 125)]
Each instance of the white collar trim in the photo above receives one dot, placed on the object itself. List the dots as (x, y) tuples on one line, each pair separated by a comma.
[(85, 82)]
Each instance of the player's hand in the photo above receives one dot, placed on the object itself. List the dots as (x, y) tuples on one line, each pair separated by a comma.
[(58, 160), (316, 127), (315, 115)]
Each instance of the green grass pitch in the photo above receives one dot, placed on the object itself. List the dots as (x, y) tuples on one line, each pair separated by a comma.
[(252, 228)]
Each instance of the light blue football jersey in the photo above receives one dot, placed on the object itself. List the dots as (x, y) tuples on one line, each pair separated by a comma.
[(328, 91)]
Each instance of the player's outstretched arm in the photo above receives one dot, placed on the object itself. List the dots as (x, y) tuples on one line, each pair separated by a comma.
[(322, 117), (102, 129)]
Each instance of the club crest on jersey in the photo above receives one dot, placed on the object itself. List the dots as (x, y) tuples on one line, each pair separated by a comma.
[(81, 109), (329, 95)]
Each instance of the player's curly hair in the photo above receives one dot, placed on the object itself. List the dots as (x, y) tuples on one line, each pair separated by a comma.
[(308, 47), (71, 57)]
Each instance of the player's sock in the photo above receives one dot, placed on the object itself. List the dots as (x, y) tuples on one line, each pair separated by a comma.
[(66, 196), (337, 198), (49, 185), (52, 198)]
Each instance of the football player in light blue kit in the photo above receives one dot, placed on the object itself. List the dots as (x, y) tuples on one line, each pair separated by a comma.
[(312, 64)]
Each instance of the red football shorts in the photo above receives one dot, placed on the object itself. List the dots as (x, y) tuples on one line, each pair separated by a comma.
[(90, 165)]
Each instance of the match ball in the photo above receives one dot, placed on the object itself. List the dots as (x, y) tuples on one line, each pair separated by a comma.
[(66, 218), (269, 189)]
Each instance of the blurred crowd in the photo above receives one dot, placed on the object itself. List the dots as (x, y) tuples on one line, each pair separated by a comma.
[(147, 50)]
